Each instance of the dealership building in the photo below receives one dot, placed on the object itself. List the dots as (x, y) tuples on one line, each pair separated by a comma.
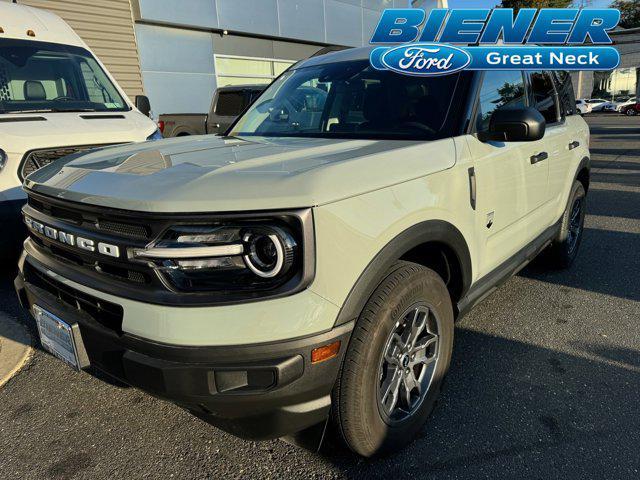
[(179, 52)]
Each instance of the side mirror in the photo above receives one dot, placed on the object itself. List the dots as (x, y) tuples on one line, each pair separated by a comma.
[(143, 104), (518, 125)]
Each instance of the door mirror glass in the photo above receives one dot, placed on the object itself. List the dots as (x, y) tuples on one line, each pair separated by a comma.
[(143, 104), (517, 125)]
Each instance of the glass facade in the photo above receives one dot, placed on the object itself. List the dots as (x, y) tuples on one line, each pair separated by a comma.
[(619, 84), (234, 70)]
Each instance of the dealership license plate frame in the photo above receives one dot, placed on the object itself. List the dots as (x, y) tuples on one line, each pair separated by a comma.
[(63, 340)]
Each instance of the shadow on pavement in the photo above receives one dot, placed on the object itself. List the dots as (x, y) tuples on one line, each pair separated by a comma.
[(511, 403), (607, 203), (601, 270)]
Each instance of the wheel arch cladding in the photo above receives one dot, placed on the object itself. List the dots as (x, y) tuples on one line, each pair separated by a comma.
[(435, 244), (583, 174)]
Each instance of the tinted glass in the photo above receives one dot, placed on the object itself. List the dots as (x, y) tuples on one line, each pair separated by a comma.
[(499, 90), (230, 104), (565, 93), (544, 96), (351, 100), (53, 77)]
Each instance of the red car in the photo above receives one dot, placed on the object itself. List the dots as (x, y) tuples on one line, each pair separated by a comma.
[(632, 110)]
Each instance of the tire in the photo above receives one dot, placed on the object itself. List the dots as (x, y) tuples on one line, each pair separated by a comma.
[(631, 112), (358, 411), (564, 249)]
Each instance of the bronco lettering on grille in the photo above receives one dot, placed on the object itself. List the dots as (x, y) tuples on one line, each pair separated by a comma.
[(69, 239)]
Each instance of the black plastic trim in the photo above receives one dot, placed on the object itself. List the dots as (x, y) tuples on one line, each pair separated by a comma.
[(429, 231), (490, 282), (22, 119)]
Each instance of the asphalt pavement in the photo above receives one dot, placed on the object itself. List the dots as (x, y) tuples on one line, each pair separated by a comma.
[(544, 383)]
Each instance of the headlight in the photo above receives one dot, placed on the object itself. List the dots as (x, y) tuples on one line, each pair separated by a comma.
[(235, 258), (157, 135)]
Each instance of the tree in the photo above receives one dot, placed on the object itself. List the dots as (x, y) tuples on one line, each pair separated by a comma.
[(630, 10), (518, 4)]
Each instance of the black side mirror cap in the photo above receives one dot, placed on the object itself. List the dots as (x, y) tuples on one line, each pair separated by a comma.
[(515, 125), (143, 104)]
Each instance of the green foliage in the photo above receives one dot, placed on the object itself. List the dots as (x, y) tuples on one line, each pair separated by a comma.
[(630, 10), (518, 4)]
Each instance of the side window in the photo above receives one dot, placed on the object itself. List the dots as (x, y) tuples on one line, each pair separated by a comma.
[(565, 93), (499, 90), (544, 96), (230, 103)]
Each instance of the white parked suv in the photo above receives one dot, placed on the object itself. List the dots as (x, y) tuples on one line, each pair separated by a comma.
[(56, 99), (309, 266)]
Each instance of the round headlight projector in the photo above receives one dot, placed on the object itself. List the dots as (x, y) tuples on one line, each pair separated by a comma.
[(268, 253)]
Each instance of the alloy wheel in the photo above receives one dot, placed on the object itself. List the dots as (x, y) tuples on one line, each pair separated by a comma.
[(575, 224), (408, 363)]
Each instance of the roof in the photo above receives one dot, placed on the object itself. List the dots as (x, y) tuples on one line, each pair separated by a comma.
[(350, 55), (17, 19)]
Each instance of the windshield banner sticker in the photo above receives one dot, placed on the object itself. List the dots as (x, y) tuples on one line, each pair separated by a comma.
[(448, 41)]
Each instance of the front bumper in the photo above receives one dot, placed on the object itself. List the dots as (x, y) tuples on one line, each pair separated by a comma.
[(259, 391)]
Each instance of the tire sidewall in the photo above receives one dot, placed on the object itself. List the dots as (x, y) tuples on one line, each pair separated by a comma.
[(566, 257), (427, 288)]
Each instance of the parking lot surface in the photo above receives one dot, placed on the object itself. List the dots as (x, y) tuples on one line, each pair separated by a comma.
[(544, 382)]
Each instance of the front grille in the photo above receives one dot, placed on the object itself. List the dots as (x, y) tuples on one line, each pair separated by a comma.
[(95, 221), (36, 159), (107, 314), (128, 230)]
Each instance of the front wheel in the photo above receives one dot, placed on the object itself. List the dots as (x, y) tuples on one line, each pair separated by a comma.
[(398, 356)]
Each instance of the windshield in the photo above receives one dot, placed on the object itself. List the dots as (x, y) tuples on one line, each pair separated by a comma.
[(37, 76), (350, 100)]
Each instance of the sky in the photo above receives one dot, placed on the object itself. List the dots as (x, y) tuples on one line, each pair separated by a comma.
[(493, 3)]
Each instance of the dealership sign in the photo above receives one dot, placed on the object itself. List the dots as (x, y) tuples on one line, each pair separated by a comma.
[(448, 41)]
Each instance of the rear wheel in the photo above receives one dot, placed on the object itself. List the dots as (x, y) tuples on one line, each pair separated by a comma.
[(631, 112), (397, 358), (565, 248)]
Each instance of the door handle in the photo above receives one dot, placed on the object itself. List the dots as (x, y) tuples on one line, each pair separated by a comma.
[(539, 158), (574, 145)]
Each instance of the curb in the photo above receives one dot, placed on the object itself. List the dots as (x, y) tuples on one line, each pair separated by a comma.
[(15, 348)]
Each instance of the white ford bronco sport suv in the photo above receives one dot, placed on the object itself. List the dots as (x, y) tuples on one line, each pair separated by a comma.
[(309, 265)]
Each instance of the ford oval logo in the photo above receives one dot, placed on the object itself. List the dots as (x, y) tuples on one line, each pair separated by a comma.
[(426, 59)]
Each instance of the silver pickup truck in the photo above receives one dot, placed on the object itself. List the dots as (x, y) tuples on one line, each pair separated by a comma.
[(228, 103)]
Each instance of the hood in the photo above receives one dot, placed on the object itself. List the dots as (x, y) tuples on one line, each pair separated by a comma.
[(215, 174), (22, 132)]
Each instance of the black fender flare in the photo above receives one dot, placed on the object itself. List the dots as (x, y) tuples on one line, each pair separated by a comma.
[(429, 231), (584, 163)]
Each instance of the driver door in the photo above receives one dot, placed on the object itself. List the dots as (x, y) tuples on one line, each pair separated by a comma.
[(509, 187)]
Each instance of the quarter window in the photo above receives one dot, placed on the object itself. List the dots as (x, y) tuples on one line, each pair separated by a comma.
[(565, 93), (500, 90), (544, 96)]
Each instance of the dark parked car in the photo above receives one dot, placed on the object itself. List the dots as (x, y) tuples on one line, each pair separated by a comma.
[(632, 110), (228, 103)]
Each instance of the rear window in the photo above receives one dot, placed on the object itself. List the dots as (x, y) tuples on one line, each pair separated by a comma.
[(230, 104)]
